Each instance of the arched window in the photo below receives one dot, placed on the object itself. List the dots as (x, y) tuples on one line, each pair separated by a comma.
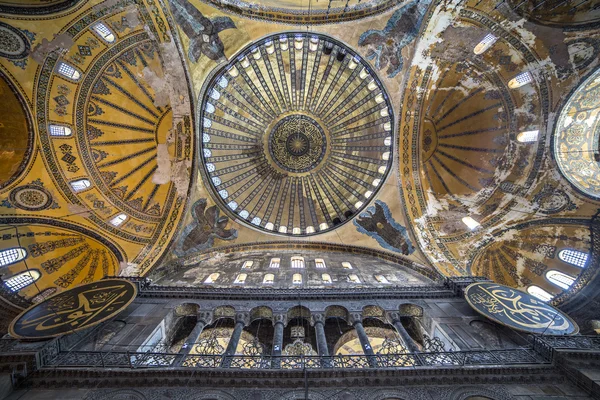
[(527, 136), (268, 279), (247, 264), (11, 256), (19, 281), (320, 263), (297, 279), (80, 184), (381, 279), (241, 279), (573, 257), (487, 42), (326, 278), (346, 265), (470, 222), (540, 293), (68, 71), (520, 80), (353, 278), (104, 32), (275, 262), (60, 130), (560, 279), (118, 219), (212, 278), (297, 262)]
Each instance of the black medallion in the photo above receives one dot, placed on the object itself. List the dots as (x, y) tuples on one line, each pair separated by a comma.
[(78, 308), (518, 310)]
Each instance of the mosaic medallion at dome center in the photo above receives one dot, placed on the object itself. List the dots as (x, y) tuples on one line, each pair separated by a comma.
[(296, 134), (297, 143)]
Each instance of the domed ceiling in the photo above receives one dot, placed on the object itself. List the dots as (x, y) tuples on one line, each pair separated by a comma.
[(576, 140), (296, 134), (385, 133)]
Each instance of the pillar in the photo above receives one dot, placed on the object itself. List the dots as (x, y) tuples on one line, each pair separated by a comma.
[(277, 340), (319, 322), (234, 340), (192, 338), (409, 343), (364, 339)]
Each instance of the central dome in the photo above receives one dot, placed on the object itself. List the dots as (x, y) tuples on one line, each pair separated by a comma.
[(296, 134)]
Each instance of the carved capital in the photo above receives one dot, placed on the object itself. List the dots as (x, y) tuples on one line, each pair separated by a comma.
[(242, 317), (280, 318), (205, 316), (317, 318), (355, 318)]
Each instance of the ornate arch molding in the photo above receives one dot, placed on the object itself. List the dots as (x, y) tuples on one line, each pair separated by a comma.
[(213, 394), (120, 394), (30, 129), (301, 395), (56, 6), (464, 393)]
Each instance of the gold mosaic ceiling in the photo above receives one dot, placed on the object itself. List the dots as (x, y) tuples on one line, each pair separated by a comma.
[(454, 150)]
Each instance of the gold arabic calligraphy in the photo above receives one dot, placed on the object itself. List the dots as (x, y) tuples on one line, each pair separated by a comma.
[(523, 312), (84, 307)]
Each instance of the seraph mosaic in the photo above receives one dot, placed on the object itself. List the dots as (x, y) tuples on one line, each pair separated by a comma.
[(208, 225), (377, 222), (202, 32), (385, 45)]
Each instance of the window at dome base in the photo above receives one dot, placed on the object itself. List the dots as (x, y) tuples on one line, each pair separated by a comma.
[(299, 159)]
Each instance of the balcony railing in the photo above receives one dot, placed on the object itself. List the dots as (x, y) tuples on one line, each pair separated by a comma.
[(93, 359)]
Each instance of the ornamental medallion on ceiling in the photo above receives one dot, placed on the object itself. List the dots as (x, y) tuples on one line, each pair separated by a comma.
[(296, 134)]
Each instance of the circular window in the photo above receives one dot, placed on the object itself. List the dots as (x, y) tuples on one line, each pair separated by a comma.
[(296, 134)]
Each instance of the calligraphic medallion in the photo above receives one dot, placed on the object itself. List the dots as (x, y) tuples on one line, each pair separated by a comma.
[(75, 309), (518, 310)]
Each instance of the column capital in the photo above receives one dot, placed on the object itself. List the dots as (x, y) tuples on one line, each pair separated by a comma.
[(355, 317), (243, 317), (317, 318), (280, 319), (204, 316), (393, 316)]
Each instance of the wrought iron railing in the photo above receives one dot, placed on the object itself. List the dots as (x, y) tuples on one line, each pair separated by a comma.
[(546, 345), (92, 359)]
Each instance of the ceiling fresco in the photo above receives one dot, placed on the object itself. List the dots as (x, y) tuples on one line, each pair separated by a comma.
[(447, 135), (111, 143)]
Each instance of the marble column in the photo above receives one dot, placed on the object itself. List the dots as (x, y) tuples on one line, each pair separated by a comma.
[(319, 321), (409, 343), (277, 340), (234, 340), (193, 337), (364, 339)]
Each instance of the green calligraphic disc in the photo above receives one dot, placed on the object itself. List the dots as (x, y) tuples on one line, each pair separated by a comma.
[(518, 310), (75, 309)]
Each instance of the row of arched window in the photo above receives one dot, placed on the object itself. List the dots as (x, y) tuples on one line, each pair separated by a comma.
[(22, 279), (297, 279), (296, 262), (564, 281)]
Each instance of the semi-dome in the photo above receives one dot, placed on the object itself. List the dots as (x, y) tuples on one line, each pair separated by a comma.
[(296, 134)]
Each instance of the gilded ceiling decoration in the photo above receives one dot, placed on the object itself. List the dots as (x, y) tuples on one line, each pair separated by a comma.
[(576, 137), (16, 136), (298, 12), (35, 7), (568, 14), (296, 134)]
